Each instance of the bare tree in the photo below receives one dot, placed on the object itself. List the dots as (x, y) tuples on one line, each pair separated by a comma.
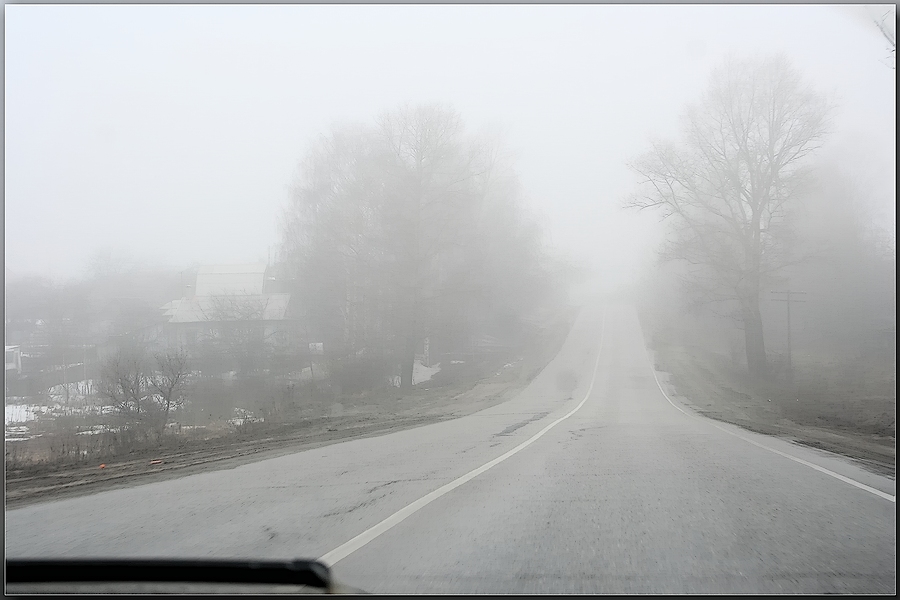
[(431, 187), (125, 382), (170, 380), (237, 328), (406, 230), (728, 188), (372, 216), (236, 307)]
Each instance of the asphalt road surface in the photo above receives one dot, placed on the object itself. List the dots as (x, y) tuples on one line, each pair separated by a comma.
[(590, 481)]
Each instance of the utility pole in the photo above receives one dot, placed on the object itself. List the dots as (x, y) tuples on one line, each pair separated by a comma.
[(787, 299)]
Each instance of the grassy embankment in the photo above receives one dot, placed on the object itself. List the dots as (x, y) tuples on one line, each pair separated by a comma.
[(841, 403)]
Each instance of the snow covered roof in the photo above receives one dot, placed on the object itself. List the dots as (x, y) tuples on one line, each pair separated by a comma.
[(228, 307)]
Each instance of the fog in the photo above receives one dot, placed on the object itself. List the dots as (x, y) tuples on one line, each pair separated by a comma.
[(415, 239), (171, 134)]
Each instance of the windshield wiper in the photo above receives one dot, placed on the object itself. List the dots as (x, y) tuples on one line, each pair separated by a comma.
[(310, 573)]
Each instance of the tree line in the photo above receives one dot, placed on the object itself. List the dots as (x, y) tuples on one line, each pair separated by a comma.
[(400, 233)]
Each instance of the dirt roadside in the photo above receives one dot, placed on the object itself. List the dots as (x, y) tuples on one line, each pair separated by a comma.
[(228, 453), (364, 417), (712, 392)]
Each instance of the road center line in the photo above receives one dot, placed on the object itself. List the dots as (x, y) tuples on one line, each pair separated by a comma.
[(347, 548), (852, 482)]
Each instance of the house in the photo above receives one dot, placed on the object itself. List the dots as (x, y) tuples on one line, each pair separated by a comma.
[(232, 308)]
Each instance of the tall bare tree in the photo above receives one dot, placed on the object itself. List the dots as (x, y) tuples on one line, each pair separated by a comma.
[(430, 200), (403, 230), (332, 241), (727, 188)]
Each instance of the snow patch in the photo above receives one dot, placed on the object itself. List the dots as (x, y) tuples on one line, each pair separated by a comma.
[(20, 413), (421, 373)]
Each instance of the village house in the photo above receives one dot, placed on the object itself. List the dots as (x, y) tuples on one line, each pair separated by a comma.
[(241, 305)]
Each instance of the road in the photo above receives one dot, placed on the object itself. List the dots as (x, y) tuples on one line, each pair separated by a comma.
[(608, 488)]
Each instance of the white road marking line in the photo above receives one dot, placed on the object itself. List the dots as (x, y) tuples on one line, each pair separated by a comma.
[(852, 482), (347, 548)]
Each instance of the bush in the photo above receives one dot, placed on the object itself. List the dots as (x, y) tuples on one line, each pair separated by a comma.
[(212, 399), (353, 375), (275, 400)]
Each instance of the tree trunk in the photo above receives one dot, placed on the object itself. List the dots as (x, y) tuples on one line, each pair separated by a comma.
[(165, 420), (410, 343), (753, 328), (408, 359), (753, 340)]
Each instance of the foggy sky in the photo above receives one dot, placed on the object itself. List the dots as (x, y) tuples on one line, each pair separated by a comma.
[(171, 133)]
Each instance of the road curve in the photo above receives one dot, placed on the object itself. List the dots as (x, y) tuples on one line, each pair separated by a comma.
[(609, 487)]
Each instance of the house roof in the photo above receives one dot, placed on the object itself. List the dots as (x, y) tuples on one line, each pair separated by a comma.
[(228, 307)]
